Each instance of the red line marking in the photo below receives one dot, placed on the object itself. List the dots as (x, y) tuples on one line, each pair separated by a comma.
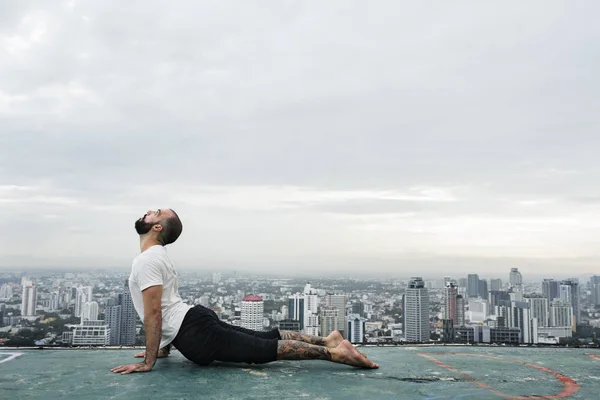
[(595, 357), (569, 385)]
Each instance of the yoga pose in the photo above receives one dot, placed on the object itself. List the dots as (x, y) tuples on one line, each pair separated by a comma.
[(196, 331)]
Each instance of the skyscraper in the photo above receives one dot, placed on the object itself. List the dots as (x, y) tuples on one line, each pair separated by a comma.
[(296, 309), (460, 311), (561, 314), (573, 284), (89, 311), (252, 312), (6, 292), (495, 284), (338, 301), (417, 311), (483, 289), (540, 310), (128, 317), (29, 300), (311, 309), (595, 289), (473, 285), (329, 317), (450, 294), (83, 295), (355, 328), (112, 317), (550, 289), (516, 279)]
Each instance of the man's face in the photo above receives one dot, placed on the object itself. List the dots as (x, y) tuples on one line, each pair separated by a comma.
[(148, 220)]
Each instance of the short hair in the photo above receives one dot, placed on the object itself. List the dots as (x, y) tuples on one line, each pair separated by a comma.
[(171, 229)]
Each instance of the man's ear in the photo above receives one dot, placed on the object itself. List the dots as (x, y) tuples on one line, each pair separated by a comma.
[(157, 228)]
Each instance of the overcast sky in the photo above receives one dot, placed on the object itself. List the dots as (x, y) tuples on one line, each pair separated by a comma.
[(396, 137)]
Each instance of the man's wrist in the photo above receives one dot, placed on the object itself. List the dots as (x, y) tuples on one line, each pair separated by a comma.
[(149, 362)]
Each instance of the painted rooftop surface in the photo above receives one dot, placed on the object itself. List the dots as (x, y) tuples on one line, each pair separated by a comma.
[(404, 373)]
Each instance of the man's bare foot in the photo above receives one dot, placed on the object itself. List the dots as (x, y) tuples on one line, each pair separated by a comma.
[(334, 339), (345, 353)]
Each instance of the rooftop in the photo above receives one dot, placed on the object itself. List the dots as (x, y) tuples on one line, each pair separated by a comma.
[(252, 297), (405, 372)]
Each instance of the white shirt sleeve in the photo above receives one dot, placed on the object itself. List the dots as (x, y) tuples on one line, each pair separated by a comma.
[(150, 274)]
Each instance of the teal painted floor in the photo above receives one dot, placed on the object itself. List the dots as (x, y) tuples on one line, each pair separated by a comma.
[(405, 373)]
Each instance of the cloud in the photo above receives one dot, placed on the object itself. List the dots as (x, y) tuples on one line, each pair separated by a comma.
[(340, 129)]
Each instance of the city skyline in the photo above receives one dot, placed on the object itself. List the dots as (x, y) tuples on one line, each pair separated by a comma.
[(407, 139)]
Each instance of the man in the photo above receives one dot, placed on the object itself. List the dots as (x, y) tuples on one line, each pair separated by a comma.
[(196, 331)]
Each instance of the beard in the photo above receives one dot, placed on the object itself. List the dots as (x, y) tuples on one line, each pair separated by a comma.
[(142, 227)]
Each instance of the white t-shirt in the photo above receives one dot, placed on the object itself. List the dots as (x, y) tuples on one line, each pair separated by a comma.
[(150, 268)]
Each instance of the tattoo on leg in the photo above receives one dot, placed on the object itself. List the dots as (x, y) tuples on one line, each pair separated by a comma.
[(295, 350), (302, 337)]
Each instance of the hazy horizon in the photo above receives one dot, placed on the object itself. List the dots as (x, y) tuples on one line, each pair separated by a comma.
[(411, 137)]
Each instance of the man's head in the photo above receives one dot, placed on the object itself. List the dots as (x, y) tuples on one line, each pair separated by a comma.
[(163, 224)]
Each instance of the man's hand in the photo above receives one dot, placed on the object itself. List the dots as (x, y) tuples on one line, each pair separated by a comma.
[(127, 369)]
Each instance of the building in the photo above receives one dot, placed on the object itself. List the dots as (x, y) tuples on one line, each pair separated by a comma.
[(311, 311), (496, 296), (112, 317), (296, 309), (594, 287), (516, 279), (460, 311), (128, 317), (355, 328), (486, 334), (91, 333), (550, 289), (479, 310), (89, 311), (29, 300), (495, 284), (252, 313), (450, 294), (289, 325), (329, 320), (540, 310), (571, 286), (483, 289), (6, 292), (473, 285), (416, 311), (561, 314), (338, 301), (55, 301), (83, 295)]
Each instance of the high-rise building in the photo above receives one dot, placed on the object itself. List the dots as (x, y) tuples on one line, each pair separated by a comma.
[(483, 289), (460, 311), (594, 287), (516, 279), (520, 317), (462, 283), (355, 328), (571, 286), (496, 296), (252, 312), (128, 317), (450, 294), (329, 317), (296, 309), (6, 292), (91, 333), (495, 284), (311, 311), (89, 311), (54, 301), (112, 317), (473, 285), (561, 314), (83, 295), (29, 300), (338, 301), (550, 289), (216, 278), (540, 310), (417, 311)]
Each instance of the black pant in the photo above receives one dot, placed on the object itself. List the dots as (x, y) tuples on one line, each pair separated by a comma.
[(203, 338)]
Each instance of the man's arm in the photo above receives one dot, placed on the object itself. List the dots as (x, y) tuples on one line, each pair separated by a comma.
[(153, 327), (152, 322)]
